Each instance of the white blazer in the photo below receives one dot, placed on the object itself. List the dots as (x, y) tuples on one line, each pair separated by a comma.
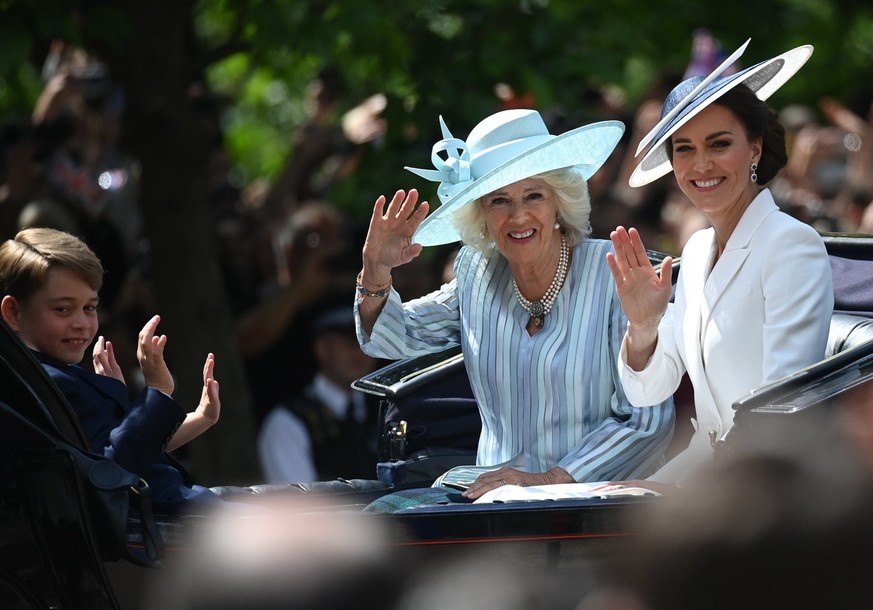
[(761, 312)]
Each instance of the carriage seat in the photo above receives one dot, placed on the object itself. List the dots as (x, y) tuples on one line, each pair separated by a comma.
[(341, 491), (848, 331)]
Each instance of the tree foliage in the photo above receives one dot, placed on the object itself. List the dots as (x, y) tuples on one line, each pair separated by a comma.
[(434, 57), (443, 57)]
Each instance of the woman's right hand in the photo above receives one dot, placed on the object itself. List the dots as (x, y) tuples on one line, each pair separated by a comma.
[(644, 293), (389, 238)]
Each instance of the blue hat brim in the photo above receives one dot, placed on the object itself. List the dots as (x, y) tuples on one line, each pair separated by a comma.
[(763, 79)]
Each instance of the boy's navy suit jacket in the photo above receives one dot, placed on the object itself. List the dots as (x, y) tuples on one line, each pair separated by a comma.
[(133, 434)]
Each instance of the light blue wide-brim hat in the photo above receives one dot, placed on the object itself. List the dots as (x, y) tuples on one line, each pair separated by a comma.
[(691, 96), (506, 147)]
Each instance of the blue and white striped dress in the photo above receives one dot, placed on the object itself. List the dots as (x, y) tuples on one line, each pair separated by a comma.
[(551, 399)]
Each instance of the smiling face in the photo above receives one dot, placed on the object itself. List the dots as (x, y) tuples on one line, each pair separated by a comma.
[(59, 320), (712, 156), (521, 220)]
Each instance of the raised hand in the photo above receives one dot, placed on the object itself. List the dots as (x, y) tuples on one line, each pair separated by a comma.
[(644, 293), (103, 357), (150, 353), (210, 404), (389, 238), (205, 415)]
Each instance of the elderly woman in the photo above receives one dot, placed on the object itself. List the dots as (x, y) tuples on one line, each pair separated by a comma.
[(754, 299), (532, 304)]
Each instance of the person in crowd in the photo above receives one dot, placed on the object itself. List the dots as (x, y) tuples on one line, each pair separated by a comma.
[(328, 146), (786, 528), (297, 554), (532, 303), (328, 430), (92, 188), (22, 171), (312, 262), (50, 282), (754, 298)]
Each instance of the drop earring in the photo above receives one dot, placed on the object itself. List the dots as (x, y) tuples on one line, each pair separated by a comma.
[(557, 223), (754, 176)]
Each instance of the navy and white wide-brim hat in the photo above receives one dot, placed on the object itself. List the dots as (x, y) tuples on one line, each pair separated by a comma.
[(504, 148), (694, 94)]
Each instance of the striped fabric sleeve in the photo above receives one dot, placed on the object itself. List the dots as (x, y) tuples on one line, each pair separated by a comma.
[(414, 328)]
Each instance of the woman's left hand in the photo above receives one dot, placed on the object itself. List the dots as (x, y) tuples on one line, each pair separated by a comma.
[(644, 292), (511, 476)]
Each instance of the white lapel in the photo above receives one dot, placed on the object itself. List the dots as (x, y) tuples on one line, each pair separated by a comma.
[(703, 293), (694, 269), (695, 262), (735, 253)]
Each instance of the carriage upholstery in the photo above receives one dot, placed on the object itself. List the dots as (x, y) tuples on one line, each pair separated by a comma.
[(852, 270), (848, 331)]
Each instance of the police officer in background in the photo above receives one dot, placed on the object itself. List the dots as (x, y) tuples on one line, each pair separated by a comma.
[(328, 430)]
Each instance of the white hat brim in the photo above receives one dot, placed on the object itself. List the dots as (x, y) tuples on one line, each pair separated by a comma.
[(585, 149), (763, 79)]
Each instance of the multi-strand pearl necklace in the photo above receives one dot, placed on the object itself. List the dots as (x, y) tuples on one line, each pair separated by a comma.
[(539, 309)]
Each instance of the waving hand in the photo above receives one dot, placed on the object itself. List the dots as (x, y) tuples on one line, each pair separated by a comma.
[(643, 292)]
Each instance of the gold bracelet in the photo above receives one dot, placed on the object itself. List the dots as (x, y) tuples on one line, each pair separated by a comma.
[(382, 292)]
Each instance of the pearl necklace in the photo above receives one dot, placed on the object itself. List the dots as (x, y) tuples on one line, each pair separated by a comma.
[(539, 309)]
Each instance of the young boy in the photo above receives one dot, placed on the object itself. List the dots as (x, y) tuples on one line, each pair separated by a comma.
[(50, 282)]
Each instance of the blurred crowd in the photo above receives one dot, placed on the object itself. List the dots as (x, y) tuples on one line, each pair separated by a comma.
[(286, 248)]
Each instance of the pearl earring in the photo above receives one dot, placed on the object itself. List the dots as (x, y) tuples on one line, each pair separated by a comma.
[(557, 223), (754, 176)]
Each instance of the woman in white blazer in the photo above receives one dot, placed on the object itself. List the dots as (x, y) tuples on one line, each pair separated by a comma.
[(754, 298)]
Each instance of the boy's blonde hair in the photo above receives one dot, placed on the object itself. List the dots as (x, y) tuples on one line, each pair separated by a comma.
[(26, 260)]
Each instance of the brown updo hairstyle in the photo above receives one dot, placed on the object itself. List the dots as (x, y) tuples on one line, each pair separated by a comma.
[(759, 121)]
